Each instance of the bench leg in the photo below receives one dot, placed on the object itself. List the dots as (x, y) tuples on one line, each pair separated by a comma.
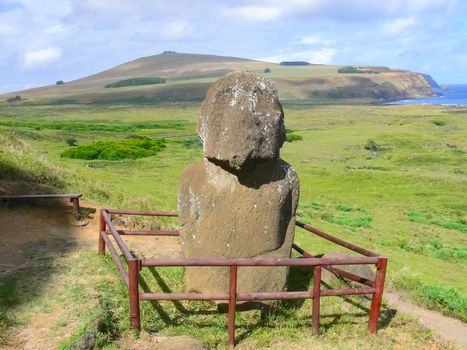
[(75, 202), (102, 227)]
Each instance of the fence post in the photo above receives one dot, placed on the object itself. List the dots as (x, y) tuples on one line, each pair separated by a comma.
[(316, 299), (102, 227), (133, 271), (377, 295), (232, 305)]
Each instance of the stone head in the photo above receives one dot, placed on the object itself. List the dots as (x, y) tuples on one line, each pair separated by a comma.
[(241, 122)]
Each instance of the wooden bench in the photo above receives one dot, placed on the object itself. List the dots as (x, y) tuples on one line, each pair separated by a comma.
[(74, 198)]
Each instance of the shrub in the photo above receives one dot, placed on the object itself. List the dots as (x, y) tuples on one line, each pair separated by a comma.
[(267, 70), (192, 143), (423, 218), (336, 93), (347, 69), (293, 137), (353, 222), (136, 81), (110, 126), (373, 146), (60, 82), (343, 207), (439, 122), (446, 299), (70, 141), (435, 248), (14, 99), (114, 150)]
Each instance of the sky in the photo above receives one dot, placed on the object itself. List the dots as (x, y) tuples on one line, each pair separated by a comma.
[(42, 41)]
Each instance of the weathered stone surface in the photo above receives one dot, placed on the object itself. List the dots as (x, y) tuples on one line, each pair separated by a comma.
[(241, 121), (86, 342), (249, 215), (240, 201)]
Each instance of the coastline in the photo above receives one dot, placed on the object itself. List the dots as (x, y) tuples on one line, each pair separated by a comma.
[(456, 96)]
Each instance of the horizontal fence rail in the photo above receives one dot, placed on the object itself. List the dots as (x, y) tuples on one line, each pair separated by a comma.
[(336, 240), (130, 275), (258, 261)]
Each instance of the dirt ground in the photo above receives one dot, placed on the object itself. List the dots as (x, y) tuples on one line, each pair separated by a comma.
[(30, 232)]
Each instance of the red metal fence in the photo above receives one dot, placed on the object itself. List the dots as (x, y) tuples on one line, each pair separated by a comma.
[(130, 277)]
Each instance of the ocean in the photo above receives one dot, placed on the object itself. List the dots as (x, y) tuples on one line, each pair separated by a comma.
[(455, 96)]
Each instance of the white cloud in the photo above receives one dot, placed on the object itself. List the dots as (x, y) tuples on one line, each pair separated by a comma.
[(56, 29), (398, 26), (42, 57), (255, 13), (177, 30), (344, 10), (321, 56), (314, 40), (48, 8)]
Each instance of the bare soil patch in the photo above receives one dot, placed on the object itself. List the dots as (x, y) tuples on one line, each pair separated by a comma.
[(447, 328)]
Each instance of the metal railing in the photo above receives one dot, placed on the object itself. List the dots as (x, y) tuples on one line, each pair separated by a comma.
[(131, 276)]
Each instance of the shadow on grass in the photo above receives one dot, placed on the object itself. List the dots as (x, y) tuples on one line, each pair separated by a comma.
[(270, 317), (183, 311), (33, 235), (265, 317)]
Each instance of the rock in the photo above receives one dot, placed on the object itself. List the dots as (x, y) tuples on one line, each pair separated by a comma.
[(226, 216), (360, 270), (240, 201), (242, 121), (86, 342), (181, 343)]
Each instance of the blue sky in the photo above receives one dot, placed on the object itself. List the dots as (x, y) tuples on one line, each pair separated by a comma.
[(42, 41)]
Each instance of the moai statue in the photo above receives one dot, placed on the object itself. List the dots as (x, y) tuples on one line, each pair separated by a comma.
[(240, 200)]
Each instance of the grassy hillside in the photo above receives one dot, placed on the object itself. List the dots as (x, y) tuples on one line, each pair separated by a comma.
[(188, 77)]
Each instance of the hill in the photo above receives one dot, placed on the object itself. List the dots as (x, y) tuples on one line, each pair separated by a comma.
[(187, 77)]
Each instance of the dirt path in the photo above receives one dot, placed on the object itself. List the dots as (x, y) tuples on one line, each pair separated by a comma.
[(27, 231), (29, 235), (448, 328)]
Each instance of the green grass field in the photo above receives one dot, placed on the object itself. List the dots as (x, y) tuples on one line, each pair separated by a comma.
[(389, 178)]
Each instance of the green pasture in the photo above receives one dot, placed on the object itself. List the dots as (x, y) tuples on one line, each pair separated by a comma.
[(389, 178)]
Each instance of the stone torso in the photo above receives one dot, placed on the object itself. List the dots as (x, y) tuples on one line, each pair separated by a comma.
[(224, 216)]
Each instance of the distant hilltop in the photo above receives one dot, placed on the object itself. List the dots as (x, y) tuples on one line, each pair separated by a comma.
[(181, 77)]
